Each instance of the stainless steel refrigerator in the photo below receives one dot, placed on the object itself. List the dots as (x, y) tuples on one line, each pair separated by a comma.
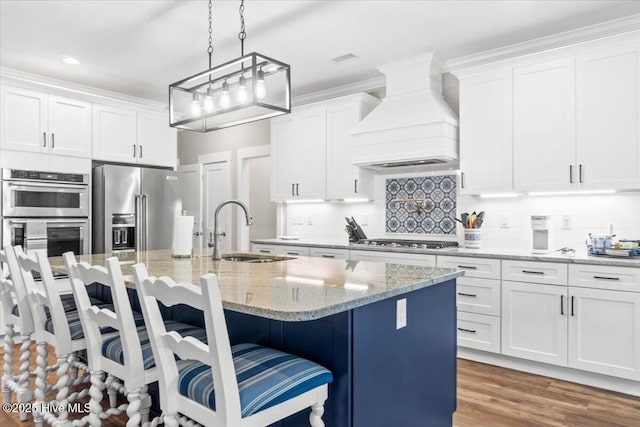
[(133, 208)]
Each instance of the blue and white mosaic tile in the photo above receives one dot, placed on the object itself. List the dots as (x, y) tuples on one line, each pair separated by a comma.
[(423, 205)]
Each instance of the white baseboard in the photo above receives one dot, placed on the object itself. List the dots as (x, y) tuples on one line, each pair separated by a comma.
[(567, 374)]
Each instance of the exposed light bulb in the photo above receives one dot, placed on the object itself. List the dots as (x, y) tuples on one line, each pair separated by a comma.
[(261, 89), (208, 101), (196, 109), (242, 90), (225, 101)]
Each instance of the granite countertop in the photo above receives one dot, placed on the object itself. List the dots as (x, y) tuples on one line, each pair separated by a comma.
[(297, 289), (579, 257)]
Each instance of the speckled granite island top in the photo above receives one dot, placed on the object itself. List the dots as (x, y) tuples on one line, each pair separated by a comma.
[(298, 289)]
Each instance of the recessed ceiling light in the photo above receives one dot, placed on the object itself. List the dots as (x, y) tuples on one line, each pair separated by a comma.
[(69, 60), (343, 58)]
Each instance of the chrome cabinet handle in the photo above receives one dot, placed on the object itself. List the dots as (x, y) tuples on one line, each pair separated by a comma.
[(297, 189), (134, 150), (44, 139), (462, 180), (140, 147), (355, 186), (53, 140), (580, 173), (467, 330), (570, 174)]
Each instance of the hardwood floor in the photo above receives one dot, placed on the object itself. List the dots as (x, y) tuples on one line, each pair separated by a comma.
[(490, 396)]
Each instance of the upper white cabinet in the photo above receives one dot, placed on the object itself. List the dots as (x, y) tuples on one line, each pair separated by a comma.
[(344, 180), (38, 122), (544, 126), (126, 136), (312, 150), (114, 134), (608, 118), (156, 140), (298, 144), (486, 133)]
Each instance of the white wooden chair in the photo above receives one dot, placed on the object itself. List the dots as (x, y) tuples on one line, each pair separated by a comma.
[(127, 356), (56, 322), (18, 326), (254, 386)]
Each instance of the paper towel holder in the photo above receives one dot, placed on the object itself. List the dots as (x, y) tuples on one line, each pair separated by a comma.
[(184, 213)]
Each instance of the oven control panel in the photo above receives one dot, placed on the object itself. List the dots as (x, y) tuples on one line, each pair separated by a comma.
[(47, 176)]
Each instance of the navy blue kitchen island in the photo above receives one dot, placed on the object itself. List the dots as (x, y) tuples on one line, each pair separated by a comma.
[(343, 315)]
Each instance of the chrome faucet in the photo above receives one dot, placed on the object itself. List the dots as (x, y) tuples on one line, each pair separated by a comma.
[(213, 237)]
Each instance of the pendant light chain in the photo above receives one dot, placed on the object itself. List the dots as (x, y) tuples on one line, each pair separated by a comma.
[(243, 34), (210, 48)]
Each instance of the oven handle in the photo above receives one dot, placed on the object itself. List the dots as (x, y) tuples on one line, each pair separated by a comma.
[(56, 223), (45, 185)]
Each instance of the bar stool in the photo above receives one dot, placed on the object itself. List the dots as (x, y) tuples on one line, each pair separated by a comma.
[(127, 356), (254, 385), (56, 323)]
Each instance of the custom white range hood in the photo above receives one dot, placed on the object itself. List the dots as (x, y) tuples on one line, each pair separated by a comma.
[(413, 127)]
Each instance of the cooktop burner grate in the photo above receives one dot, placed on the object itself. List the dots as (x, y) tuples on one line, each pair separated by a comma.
[(404, 243)]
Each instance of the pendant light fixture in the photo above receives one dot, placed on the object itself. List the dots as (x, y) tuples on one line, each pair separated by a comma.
[(249, 88)]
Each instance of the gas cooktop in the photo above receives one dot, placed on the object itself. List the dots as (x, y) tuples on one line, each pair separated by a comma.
[(401, 243)]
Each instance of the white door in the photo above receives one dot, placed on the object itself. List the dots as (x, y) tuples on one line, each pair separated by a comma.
[(534, 322), (23, 123), (114, 134), (544, 140), (486, 133), (191, 192), (69, 126), (216, 180), (604, 332), (608, 118)]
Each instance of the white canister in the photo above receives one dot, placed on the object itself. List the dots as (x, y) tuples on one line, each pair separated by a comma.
[(472, 238)]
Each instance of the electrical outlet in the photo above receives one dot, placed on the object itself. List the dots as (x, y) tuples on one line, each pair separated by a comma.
[(401, 313), (298, 220), (364, 220), (505, 220), (566, 222)]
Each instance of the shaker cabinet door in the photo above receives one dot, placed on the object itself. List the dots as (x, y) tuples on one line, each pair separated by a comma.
[(69, 127), (114, 134), (23, 123)]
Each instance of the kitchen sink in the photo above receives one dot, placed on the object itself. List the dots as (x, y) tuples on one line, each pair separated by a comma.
[(254, 258)]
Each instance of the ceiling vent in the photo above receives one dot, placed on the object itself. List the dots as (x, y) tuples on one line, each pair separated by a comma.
[(343, 58)]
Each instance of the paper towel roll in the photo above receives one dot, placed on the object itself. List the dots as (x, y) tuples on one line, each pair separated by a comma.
[(182, 235)]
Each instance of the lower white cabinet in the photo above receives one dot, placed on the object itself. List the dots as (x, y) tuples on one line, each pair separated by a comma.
[(479, 331), (480, 296), (534, 322), (290, 250), (604, 332)]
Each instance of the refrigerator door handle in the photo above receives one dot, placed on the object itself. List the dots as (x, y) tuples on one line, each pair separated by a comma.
[(145, 211), (138, 206)]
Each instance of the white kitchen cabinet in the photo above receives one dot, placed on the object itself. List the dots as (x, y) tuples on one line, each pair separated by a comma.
[(114, 134), (483, 268), (479, 331), (393, 257), (608, 118), (544, 140), (344, 180), (534, 322), (548, 273), (41, 123), (604, 332), (157, 141), (298, 144), (480, 296), (290, 250), (486, 133)]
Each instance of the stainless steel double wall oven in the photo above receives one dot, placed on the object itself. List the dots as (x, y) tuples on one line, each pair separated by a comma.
[(46, 210)]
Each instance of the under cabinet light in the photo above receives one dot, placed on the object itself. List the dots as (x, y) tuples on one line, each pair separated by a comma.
[(355, 200), (500, 195), (305, 201), (570, 193)]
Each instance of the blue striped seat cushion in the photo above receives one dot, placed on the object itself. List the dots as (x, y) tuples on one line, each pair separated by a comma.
[(266, 377), (75, 326), (68, 304), (112, 347)]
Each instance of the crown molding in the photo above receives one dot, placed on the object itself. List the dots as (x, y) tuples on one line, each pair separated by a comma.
[(580, 35), (349, 89), (38, 82)]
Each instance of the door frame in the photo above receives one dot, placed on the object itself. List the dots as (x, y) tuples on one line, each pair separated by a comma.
[(197, 168), (243, 156)]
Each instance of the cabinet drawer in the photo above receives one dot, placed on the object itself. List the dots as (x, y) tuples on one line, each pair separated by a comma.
[(329, 253), (263, 249), (481, 296), (393, 257), (479, 331), (474, 267), (292, 250), (605, 277), (535, 272)]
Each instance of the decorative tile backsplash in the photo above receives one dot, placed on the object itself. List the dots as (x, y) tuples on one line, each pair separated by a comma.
[(422, 205)]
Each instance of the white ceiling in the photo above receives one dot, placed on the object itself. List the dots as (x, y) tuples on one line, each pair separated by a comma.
[(139, 47)]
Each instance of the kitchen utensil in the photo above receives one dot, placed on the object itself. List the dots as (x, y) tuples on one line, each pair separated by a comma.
[(478, 223)]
